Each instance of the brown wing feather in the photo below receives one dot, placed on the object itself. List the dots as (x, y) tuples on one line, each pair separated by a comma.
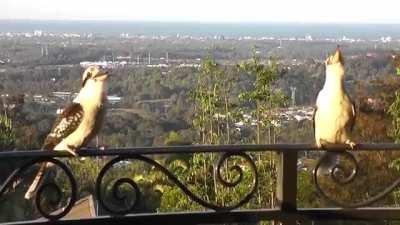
[(313, 117), (352, 120), (64, 125)]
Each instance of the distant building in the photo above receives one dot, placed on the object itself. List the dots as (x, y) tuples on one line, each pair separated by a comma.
[(386, 39), (189, 65), (105, 64), (124, 58), (64, 95), (219, 37), (37, 33), (161, 65), (42, 99), (112, 99)]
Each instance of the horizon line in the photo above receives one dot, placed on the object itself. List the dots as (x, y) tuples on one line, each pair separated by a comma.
[(210, 22)]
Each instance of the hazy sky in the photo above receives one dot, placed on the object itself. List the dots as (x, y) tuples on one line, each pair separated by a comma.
[(359, 11)]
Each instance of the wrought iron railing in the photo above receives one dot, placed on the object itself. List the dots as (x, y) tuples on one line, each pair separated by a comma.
[(287, 211)]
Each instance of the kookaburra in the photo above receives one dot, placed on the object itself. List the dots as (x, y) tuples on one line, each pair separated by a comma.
[(78, 122), (334, 115)]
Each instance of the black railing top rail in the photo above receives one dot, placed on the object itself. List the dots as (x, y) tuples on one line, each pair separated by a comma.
[(203, 149)]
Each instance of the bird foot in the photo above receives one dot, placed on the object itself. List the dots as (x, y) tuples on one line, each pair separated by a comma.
[(73, 153), (351, 144), (321, 143)]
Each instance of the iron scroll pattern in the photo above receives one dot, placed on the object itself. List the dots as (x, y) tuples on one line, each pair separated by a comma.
[(117, 195), (345, 175), (117, 184)]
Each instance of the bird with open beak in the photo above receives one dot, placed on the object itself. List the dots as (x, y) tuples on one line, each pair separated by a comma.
[(79, 122), (334, 115)]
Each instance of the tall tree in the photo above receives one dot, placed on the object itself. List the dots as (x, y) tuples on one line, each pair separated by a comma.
[(7, 134), (264, 97)]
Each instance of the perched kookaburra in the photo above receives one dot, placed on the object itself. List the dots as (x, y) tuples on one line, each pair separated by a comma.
[(78, 122), (334, 115)]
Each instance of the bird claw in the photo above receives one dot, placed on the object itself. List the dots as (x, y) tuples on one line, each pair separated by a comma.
[(321, 143), (351, 144), (73, 153)]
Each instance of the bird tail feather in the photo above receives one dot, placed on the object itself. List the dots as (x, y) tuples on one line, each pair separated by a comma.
[(36, 181), (330, 160)]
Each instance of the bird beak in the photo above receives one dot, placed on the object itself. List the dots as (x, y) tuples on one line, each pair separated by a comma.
[(103, 74), (337, 57)]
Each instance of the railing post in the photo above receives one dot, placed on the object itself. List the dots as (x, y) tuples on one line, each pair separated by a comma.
[(286, 187)]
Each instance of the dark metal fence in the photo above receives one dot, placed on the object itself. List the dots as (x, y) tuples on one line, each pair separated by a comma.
[(286, 212)]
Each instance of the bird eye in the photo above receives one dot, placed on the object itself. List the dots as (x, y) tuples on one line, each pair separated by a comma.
[(89, 74)]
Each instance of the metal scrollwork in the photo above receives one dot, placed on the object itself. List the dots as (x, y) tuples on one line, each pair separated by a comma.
[(344, 175), (116, 190), (237, 169), (40, 196), (117, 195)]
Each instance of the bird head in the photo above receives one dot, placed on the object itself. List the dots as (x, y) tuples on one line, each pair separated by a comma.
[(335, 64), (94, 74)]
